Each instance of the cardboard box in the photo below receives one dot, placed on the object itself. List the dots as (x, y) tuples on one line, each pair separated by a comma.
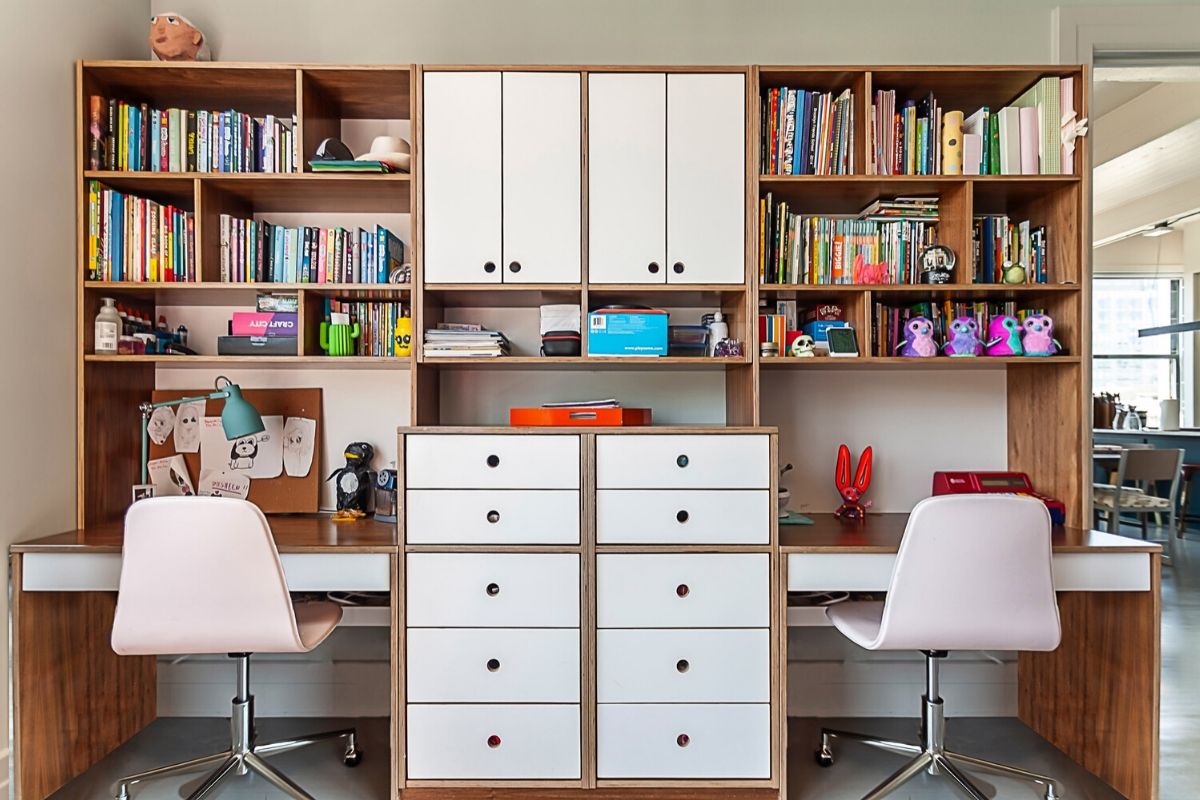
[(627, 332), (264, 323)]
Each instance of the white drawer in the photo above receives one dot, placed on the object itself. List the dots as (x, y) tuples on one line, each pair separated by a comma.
[(683, 516), (683, 666), (487, 516), (683, 591), (485, 590), (683, 741), (447, 461), (715, 461), (493, 665), (480, 741)]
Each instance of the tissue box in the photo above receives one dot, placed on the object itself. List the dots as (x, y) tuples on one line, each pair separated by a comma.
[(627, 332)]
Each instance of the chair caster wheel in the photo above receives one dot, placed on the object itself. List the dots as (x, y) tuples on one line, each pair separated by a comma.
[(823, 757), (352, 759)]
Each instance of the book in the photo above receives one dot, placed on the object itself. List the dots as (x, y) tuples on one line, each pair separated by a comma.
[(1044, 98), (806, 133), (377, 324), (137, 239), (1010, 140), (998, 241), (1030, 140)]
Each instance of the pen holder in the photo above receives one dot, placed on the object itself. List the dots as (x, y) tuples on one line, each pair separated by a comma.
[(338, 339)]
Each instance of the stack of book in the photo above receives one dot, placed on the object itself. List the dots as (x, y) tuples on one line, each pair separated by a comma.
[(131, 238), (128, 136), (377, 324), (906, 140), (256, 251), (999, 242), (882, 245), (888, 333), (807, 133), (464, 340)]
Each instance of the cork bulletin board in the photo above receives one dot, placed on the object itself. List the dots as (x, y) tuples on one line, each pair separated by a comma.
[(281, 495)]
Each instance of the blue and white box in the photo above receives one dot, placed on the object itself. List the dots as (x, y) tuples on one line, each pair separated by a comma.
[(627, 332)]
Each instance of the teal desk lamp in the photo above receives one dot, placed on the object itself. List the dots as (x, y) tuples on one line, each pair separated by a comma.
[(238, 418)]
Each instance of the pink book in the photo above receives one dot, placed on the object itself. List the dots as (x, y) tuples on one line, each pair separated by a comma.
[(1030, 137), (972, 153)]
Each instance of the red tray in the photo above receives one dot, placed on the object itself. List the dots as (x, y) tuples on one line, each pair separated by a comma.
[(578, 417)]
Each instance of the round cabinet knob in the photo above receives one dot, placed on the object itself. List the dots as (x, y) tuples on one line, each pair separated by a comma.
[(681, 461), (493, 665), (492, 589), (683, 740), (493, 741), (677, 267), (682, 665), (514, 266), (653, 267), (682, 590), (493, 517), (682, 516), (493, 461), (489, 267)]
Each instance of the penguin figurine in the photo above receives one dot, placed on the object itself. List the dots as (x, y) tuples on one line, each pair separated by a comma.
[(1039, 336), (355, 480), (964, 338), (1004, 336), (919, 341)]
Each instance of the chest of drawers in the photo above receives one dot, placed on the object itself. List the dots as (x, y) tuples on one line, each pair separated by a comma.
[(590, 609)]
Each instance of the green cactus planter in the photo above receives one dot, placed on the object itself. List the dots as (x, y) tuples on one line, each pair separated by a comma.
[(338, 339)]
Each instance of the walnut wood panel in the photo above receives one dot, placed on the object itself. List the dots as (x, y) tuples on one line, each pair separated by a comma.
[(250, 88), (110, 438), (1047, 445), (380, 92), (74, 699), (1096, 697)]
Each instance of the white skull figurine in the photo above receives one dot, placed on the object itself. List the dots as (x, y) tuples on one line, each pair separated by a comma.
[(802, 346)]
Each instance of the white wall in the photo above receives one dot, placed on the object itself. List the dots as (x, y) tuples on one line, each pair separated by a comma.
[(627, 31), (39, 42)]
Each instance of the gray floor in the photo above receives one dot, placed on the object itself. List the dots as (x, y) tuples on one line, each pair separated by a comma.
[(858, 769)]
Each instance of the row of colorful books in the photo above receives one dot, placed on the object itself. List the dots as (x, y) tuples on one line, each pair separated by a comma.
[(806, 132), (920, 137), (129, 136), (805, 249), (256, 251), (131, 238), (888, 321), (377, 324), (999, 244)]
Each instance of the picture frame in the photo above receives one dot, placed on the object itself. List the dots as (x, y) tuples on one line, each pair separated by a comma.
[(842, 341)]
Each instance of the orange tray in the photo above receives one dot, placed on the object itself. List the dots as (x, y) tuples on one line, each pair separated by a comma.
[(578, 417)]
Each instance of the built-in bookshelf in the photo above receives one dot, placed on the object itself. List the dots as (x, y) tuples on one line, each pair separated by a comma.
[(323, 99)]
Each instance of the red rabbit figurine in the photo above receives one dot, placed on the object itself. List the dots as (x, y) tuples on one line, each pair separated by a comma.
[(853, 508)]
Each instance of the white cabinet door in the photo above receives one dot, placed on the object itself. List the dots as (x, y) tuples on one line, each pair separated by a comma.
[(627, 182), (682, 590), (683, 741), (680, 516), (486, 516), (682, 666), (493, 742), (493, 665), (689, 461), (462, 182), (486, 590), (497, 461), (706, 178), (542, 165)]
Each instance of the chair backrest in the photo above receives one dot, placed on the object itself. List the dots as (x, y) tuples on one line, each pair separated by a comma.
[(201, 575), (1149, 464), (973, 573)]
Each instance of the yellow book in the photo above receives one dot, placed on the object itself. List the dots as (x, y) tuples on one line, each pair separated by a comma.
[(93, 228)]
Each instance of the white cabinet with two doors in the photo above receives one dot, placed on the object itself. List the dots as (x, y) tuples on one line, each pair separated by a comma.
[(504, 156)]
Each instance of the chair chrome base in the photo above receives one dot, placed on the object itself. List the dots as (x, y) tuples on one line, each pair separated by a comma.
[(931, 756), (245, 754)]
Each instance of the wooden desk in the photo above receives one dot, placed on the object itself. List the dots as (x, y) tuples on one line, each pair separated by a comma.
[(1096, 697), (74, 700)]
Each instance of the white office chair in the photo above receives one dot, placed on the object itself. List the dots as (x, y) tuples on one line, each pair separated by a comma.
[(202, 575), (973, 573)]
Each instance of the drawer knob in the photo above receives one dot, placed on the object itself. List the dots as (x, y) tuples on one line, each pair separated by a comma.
[(493, 516), (492, 589), (653, 267), (682, 665), (493, 665), (683, 740), (678, 267), (493, 461), (682, 461), (515, 266), (489, 266), (682, 590), (493, 741), (682, 516)]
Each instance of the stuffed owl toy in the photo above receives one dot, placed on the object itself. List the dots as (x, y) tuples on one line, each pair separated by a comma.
[(964, 338), (1004, 336), (919, 339), (1039, 336)]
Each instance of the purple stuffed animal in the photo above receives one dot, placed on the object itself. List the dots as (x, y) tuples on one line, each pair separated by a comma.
[(1039, 336), (919, 341), (964, 338)]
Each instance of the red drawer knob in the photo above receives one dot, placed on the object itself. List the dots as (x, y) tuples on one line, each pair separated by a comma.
[(493, 665), (493, 741), (682, 665), (682, 590), (683, 740)]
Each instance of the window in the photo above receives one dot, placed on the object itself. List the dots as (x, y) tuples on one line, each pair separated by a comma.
[(1142, 371)]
